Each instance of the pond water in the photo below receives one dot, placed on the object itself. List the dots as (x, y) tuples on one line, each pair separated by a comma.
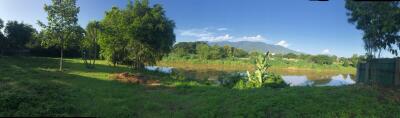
[(291, 77)]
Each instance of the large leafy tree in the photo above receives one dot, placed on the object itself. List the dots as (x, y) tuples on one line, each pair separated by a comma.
[(380, 23), (18, 35), (62, 24), (136, 35)]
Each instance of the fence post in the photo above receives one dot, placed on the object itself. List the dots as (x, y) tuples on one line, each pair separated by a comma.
[(397, 73)]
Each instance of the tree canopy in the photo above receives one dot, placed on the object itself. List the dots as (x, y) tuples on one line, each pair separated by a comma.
[(18, 35), (380, 22), (136, 35)]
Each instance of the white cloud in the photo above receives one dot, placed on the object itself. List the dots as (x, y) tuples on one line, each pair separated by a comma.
[(326, 51), (282, 43), (216, 38), (222, 29), (195, 32), (251, 38), (206, 35)]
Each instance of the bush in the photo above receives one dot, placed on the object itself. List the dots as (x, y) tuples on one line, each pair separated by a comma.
[(322, 59), (230, 80), (261, 78)]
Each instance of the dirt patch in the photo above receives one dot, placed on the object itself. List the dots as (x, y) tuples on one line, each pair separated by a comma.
[(389, 93), (135, 78)]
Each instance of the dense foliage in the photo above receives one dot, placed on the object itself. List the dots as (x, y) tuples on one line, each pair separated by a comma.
[(136, 35), (379, 22), (17, 37)]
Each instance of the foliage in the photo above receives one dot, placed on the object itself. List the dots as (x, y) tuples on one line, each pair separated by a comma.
[(17, 37), (290, 56), (62, 26), (90, 45), (230, 80), (380, 23), (322, 59), (261, 77), (136, 35), (203, 51), (182, 49)]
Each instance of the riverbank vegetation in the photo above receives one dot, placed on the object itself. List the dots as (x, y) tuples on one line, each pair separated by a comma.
[(197, 53)]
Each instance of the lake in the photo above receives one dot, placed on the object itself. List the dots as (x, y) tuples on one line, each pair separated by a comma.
[(291, 77)]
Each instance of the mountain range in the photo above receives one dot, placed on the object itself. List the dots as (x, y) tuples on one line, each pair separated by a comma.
[(250, 46)]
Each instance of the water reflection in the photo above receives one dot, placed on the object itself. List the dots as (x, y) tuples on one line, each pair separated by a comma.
[(337, 80), (159, 69), (297, 80), (293, 78)]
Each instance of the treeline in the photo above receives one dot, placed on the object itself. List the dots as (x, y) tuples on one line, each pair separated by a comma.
[(324, 59), (202, 50), (137, 35), (19, 38)]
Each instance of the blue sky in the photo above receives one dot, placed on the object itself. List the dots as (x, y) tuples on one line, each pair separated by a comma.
[(302, 25)]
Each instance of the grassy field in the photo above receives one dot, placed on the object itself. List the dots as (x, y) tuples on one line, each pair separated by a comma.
[(31, 86)]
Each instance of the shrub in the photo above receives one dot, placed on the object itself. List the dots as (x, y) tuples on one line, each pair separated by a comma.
[(261, 77)]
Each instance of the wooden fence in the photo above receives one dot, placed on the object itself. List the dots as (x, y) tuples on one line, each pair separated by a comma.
[(384, 72)]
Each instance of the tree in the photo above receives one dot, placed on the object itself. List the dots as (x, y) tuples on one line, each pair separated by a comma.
[(17, 36), (136, 35), (216, 52), (355, 59), (2, 38), (89, 44), (203, 51), (380, 23), (290, 56), (322, 59), (62, 22)]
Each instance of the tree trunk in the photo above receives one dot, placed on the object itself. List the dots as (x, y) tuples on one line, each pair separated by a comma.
[(95, 52), (61, 58)]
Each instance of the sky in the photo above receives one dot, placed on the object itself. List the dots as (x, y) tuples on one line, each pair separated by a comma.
[(307, 26)]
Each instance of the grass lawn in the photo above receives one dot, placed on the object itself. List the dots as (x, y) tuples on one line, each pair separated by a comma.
[(31, 86)]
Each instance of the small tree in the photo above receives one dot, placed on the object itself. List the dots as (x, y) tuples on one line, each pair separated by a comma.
[(62, 22), (89, 44)]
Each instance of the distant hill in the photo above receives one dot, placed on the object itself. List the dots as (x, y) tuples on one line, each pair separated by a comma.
[(256, 46)]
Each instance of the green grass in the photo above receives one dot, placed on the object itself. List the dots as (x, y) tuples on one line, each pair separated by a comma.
[(31, 86)]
